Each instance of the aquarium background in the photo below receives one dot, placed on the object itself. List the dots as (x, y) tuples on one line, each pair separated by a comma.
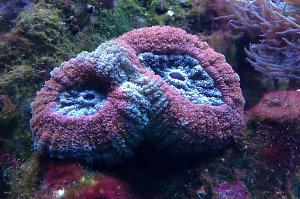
[(260, 39)]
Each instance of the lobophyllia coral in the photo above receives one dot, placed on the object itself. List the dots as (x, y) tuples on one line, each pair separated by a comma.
[(277, 54), (205, 103), (158, 84)]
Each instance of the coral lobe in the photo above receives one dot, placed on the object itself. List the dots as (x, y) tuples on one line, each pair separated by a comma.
[(156, 84)]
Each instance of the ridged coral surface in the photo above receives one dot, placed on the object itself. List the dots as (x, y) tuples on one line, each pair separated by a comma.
[(158, 84)]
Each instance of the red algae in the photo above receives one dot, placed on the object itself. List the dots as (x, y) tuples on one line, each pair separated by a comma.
[(60, 175), (275, 121), (104, 188)]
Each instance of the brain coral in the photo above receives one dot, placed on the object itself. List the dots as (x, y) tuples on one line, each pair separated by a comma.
[(157, 84)]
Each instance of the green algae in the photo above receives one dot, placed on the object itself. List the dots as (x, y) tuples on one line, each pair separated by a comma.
[(25, 178), (43, 37), (51, 32)]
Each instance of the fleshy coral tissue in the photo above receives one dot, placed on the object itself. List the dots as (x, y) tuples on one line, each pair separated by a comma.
[(158, 84), (277, 52)]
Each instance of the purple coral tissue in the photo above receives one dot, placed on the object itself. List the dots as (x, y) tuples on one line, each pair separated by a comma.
[(157, 84)]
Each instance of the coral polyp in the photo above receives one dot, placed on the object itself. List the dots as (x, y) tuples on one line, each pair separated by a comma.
[(158, 84), (75, 102), (186, 75), (192, 123)]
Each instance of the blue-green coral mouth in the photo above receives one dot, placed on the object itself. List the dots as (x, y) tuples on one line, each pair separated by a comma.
[(185, 74)]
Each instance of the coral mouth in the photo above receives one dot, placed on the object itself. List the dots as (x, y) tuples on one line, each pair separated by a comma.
[(177, 75), (185, 74), (80, 102)]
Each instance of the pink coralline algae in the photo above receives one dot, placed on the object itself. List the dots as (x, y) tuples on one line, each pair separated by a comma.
[(236, 190), (280, 106), (159, 85), (275, 122)]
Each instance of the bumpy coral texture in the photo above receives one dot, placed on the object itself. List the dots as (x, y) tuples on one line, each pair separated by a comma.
[(83, 112), (186, 75), (186, 126), (158, 84)]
